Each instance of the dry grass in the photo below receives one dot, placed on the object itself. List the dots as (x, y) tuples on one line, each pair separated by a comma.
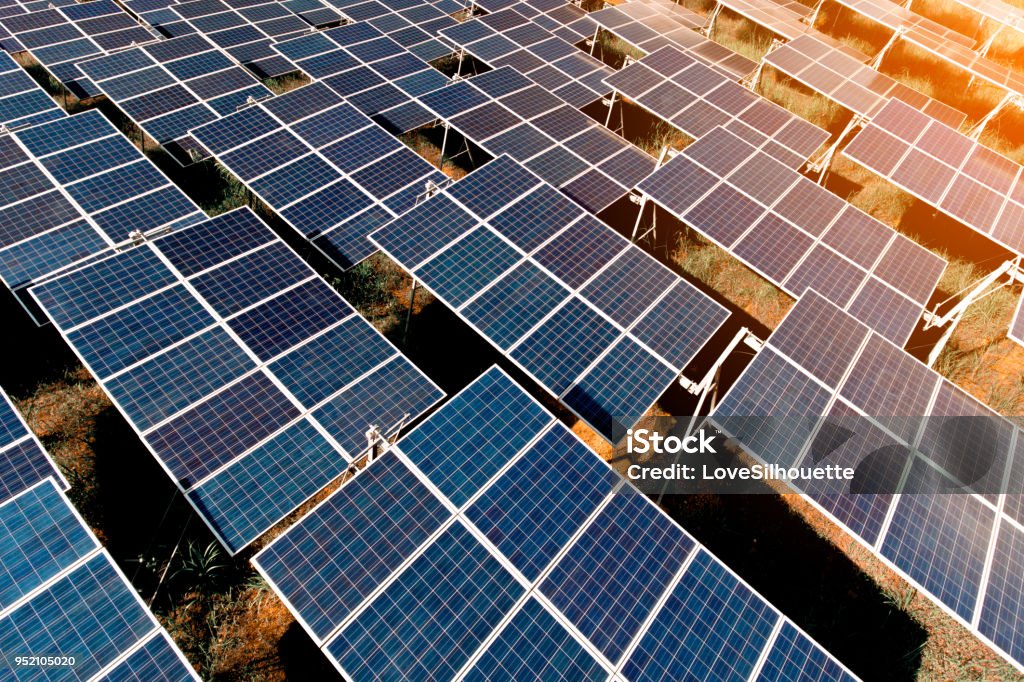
[(808, 105), (287, 82), (716, 269), (741, 36)]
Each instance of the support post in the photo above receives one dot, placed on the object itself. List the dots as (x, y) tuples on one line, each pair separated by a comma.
[(1009, 99), (611, 108), (812, 18), (987, 45), (825, 162), (444, 144), (709, 25), (593, 41), (408, 315), (877, 61)]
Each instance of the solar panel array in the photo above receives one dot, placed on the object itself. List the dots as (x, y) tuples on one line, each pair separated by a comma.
[(819, 370), (797, 234), (10, 8), (23, 461), (948, 46), (22, 101), (1002, 12), (245, 30), (696, 99), (374, 73), (947, 170), (174, 85), (650, 26), (567, 21), (62, 595), (598, 323), (60, 37), (507, 38), (491, 543), (73, 188), (246, 375), (856, 86), (504, 112), (324, 167), (413, 24)]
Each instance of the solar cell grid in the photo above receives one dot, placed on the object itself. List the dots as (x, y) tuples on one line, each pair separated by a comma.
[(104, 178), (60, 590), (320, 194), (527, 307), (193, 363), (681, 87), (939, 541), (780, 224), (649, 26), (22, 101), (945, 169)]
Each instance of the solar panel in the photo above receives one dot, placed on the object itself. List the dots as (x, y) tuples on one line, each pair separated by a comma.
[(328, 170), (542, 565), (245, 33), (60, 37), (378, 75), (61, 591), (224, 383), (1002, 12), (174, 86), (939, 41), (650, 26), (955, 174), (1017, 324), (73, 188), (22, 101), (510, 267), (849, 397), (696, 99), (499, 39), (503, 112), (795, 233), (23, 461), (851, 83)]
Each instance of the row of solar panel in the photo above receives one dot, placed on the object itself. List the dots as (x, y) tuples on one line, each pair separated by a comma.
[(649, 26), (946, 169), (599, 324), (820, 361), (696, 99), (797, 234), (60, 592), (73, 188), (504, 112), (60, 37), (23, 461), (491, 543), (851, 83), (219, 346), (325, 167), (509, 38), (22, 101)]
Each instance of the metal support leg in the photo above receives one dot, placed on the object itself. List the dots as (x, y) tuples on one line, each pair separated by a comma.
[(709, 25), (639, 217), (877, 61), (812, 18), (611, 108), (408, 314), (444, 145), (593, 43), (1009, 99)]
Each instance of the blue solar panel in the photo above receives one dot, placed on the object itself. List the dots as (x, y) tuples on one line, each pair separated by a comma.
[(252, 494), (535, 218), (533, 510), (580, 334), (711, 628), (156, 659), (273, 327), (795, 657), (40, 537), (433, 617), (91, 614), (469, 264), (515, 304), (535, 646), (495, 421), (241, 283), (612, 577), (198, 387), (409, 240), (628, 287), (171, 381), (351, 543)]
